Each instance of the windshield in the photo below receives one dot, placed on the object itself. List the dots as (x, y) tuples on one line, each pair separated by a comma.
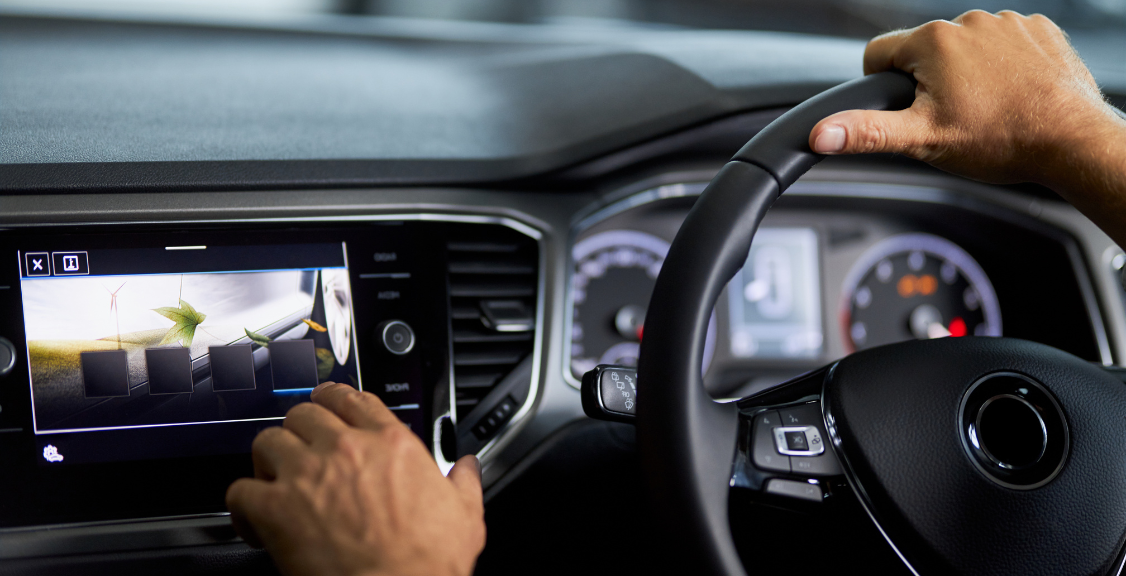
[(854, 18)]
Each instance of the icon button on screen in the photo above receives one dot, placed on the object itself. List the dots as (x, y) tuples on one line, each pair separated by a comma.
[(70, 263), (37, 264)]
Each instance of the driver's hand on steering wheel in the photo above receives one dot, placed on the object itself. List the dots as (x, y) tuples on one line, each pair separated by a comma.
[(1002, 98), (344, 488)]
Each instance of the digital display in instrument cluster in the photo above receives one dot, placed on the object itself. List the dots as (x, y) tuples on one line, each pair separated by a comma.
[(774, 301)]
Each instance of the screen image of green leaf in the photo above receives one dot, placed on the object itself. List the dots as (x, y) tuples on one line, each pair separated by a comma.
[(326, 361), (257, 338), (185, 320)]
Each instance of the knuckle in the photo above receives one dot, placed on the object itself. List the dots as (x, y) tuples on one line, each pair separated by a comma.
[(266, 436), (399, 440), (300, 409), (350, 444), (307, 465), (239, 494), (974, 15), (871, 137), (937, 34)]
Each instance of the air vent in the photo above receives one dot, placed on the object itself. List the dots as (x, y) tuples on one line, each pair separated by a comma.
[(492, 275)]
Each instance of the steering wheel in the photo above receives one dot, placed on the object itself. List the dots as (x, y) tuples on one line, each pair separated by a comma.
[(971, 455)]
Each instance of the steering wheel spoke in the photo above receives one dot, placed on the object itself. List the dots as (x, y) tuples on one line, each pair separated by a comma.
[(783, 449)]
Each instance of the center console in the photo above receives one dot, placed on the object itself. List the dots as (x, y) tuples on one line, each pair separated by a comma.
[(138, 363)]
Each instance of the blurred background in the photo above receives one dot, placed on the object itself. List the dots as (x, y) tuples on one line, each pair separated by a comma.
[(850, 18)]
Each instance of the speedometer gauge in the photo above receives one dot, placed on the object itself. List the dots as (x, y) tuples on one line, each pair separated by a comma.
[(916, 286), (611, 284)]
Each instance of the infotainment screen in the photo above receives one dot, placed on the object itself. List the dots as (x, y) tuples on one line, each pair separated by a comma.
[(180, 350)]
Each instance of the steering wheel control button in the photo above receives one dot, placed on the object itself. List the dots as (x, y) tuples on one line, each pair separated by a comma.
[(815, 460), (396, 336), (795, 441), (794, 489), (1013, 430), (765, 454), (798, 441), (7, 356), (609, 392)]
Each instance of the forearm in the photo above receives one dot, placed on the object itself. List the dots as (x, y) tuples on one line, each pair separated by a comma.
[(1089, 171)]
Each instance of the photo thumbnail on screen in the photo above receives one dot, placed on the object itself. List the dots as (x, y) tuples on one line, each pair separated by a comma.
[(115, 351)]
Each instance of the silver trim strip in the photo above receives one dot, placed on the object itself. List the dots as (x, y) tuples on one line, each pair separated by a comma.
[(537, 355), (113, 522)]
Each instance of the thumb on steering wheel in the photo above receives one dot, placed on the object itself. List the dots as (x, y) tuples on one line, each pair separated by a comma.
[(871, 131)]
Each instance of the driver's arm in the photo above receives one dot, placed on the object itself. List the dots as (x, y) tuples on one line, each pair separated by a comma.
[(344, 488), (1001, 98)]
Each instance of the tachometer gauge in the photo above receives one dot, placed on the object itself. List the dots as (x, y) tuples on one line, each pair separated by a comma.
[(611, 284), (916, 286)]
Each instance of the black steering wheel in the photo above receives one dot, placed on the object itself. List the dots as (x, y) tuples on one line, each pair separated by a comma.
[(971, 455)]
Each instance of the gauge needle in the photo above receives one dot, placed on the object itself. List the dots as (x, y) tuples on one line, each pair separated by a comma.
[(926, 323), (629, 321)]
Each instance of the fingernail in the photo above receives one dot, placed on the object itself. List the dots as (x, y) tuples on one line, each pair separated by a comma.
[(320, 387), (477, 464), (830, 140)]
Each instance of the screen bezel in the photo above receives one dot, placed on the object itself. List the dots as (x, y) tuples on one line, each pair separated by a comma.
[(38, 495)]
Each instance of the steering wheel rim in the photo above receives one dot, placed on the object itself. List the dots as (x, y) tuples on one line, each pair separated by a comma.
[(686, 440)]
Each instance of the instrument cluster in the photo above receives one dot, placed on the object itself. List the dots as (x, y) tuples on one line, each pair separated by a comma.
[(825, 276)]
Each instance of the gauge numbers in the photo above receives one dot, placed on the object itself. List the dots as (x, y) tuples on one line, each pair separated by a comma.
[(611, 284), (916, 286)]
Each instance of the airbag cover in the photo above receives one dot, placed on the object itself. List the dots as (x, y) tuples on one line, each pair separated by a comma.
[(895, 414)]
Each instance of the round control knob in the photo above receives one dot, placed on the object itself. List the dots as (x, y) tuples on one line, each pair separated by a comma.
[(7, 356), (396, 336)]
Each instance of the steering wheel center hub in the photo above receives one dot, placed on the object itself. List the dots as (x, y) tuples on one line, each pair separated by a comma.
[(1011, 432), (1014, 430)]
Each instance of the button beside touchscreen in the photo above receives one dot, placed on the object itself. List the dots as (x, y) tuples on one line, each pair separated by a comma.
[(197, 336)]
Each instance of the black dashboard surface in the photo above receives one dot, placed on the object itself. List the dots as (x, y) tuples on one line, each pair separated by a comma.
[(143, 105)]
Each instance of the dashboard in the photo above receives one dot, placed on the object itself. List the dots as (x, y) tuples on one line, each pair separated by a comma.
[(169, 294)]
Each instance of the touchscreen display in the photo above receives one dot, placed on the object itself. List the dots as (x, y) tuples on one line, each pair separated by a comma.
[(181, 350), (775, 300)]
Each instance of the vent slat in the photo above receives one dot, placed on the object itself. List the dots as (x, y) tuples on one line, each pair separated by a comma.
[(490, 268), (465, 313), (491, 291), (470, 381), (491, 358), (476, 337), (493, 247), (495, 264)]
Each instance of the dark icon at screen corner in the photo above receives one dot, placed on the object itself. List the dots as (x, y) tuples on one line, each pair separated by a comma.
[(70, 263)]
